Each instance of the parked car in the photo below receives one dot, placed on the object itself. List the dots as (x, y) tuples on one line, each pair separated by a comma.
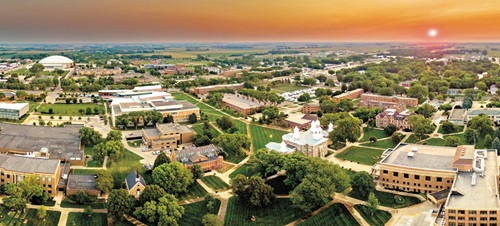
[(145, 149)]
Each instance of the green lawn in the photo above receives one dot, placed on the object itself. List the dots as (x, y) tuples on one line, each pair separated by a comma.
[(215, 183), (389, 200), (242, 127), (69, 109), (183, 96), (280, 188), (434, 142), (280, 212), (134, 144), (243, 169), (387, 143), (378, 133), (412, 139), (287, 88), (379, 218), (263, 135), (81, 219), (68, 203), (193, 191), (16, 218), (459, 129), (361, 155), (337, 214), (194, 212), (199, 128)]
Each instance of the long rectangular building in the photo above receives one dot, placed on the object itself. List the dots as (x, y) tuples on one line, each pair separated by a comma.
[(349, 95), (206, 89), (241, 104), (166, 136), (372, 100), (13, 111)]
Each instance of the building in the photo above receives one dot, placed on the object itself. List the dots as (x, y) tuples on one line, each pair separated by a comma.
[(312, 142), (61, 143), (142, 78), (492, 113), (233, 73), (454, 92), (170, 69), (242, 104), (15, 168), (57, 62), (207, 157), (206, 89), (135, 184), (13, 111), (137, 91), (474, 196), (394, 117), (310, 108), (99, 71), (166, 136), (82, 182), (302, 122), (458, 116), (493, 89), (372, 98), (349, 95)]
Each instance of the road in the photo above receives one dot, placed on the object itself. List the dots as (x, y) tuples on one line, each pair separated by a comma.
[(51, 97)]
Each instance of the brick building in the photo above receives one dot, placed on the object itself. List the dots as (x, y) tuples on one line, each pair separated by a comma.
[(372, 100), (205, 156), (242, 104), (394, 117), (349, 95), (206, 89), (166, 136), (310, 108)]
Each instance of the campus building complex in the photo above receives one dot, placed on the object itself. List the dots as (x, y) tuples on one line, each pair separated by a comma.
[(206, 89), (349, 95), (312, 142), (385, 102), (98, 71), (207, 157), (166, 136), (13, 111), (242, 104), (310, 108), (394, 117), (492, 113)]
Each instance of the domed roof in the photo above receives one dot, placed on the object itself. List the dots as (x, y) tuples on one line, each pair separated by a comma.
[(56, 60)]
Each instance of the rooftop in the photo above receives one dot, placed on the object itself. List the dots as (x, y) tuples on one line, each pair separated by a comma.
[(486, 111), (189, 155), (131, 180), (82, 182), (173, 127), (16, 106), (240, 102), (482, 195), (426, 157), (56, 60), (28, 164)]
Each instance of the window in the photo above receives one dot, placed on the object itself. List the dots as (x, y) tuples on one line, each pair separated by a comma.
[(461, 218), (385, 171), (417, 177), (472, 219), (439, 179), (484, 219), (461, 212), (451, 218), (427, 178), (472, 212), (483, 212), (395, 174), (493, 212), (493, 219), (406, 175)]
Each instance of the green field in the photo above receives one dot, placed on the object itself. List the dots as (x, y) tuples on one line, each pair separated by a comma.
[(361, 155), (413, 140), (288, 88), (280, 188), (194, 212), (337, 214), (68, 203), (280, 212), (242, 127), (243, 169), (81, 219), (69, 109), (379, 218), (16, 218), (215, 183), (263, 135), (199, 128), (193, 191), (378, 133), (389, 200), (433, 142), (183, 96), (387, 143), (458, 130)]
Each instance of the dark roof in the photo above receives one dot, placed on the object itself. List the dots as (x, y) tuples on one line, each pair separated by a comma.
[(131, 180), (28, 164), (189, 154), (440, 194), (310, 117), (83, 182)]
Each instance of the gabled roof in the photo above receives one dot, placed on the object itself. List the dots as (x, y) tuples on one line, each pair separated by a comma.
[(131, 181)]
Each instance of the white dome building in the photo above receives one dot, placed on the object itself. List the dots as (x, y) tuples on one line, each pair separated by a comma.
[(57, 62)]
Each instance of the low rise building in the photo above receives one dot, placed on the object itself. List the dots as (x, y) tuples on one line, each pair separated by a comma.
[(492, 113), (372, 100), (82, 182), (300, 121), (166, 136), (394, 117), (458, 116), (312, 143), (310, 108), (207, 157), (13, 111), (206, 89), (135, 184), (242, 104), (98, 71), (349, 95), (15, 168)]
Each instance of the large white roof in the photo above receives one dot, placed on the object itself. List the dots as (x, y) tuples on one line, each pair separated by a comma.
[(16, 106), (56, 60)]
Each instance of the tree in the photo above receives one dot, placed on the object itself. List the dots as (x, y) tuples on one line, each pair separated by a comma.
[(481, 123), (201, 139), (192, 118), (168, 119), (448, 127), (470, 136), (346, 129), (211, 220), (488, 141), (445, 107), (88, 111), (173, 177), (36, 68), (119, 203), (451, 141), (362, 184), (151, 192), (305, 97), (88, 211), (161, 159), (41, 212), (232, 143), (421, 126), (23, 192), (418, 91), (21, 94), (51, 111), (104, 181), (197, 172), (114, 135), (496, 144), (497, 133), (113, 149), (372, 203), (89, 136), (165, 211), (397, 137), (252, 190), (96, 110), (225, 123), (373, 139), (426, 110), (390, 129)]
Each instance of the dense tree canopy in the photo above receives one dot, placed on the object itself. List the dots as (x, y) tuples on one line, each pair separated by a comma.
[(173, 177)]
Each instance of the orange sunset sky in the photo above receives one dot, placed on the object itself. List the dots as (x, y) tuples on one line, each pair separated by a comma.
[(251, 20)]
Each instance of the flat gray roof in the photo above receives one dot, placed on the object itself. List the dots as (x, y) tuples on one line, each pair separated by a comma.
[(240, 102), (28, 164), (426, 157), (82, 182), (62, 142), (490, 111), (457, 114), (483, 195)]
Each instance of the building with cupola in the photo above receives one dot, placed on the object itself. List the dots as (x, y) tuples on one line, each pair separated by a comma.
[(312, 142)]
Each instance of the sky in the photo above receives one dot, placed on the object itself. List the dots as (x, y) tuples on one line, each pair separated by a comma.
[(53, 21)]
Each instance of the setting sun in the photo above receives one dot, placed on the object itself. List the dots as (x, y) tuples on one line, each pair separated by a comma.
[(432, 33)]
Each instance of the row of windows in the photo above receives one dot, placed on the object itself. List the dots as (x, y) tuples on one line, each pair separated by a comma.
[(416, 177), (473, 218), (405, 188), (471, 224), (472, 212)]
